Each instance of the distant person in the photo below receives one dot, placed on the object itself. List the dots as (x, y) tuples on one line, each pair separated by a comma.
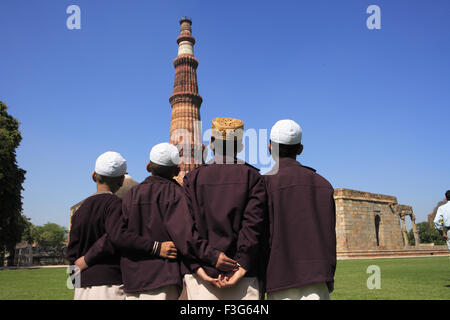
[(227, 200), (442, 219), (157, 209), (302, 259)]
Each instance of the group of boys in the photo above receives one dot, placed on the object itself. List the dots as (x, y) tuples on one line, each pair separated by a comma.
[(228, 233)]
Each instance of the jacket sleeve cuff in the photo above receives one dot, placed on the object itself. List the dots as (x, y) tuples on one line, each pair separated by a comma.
[(155, 248), (244, 260), (213, 257), (194, 267), (88, 260)]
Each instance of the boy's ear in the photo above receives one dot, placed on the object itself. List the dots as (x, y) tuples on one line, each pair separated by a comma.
[(300, 150), (240, 146), (149, 169), (270, 148), (94, 176)]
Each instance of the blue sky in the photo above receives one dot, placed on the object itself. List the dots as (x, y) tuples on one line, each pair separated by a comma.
[(374, 105)]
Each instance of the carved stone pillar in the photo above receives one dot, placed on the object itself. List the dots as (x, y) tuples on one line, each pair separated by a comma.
[(415, 232), (404, 233)]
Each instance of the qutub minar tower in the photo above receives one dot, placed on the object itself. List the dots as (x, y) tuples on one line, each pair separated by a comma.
[(185, 125)]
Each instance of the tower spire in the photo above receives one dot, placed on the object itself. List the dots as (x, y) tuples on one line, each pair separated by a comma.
[(185, 127)]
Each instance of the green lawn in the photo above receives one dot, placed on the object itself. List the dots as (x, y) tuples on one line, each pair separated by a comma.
[(34, 284), (401, 278), (406, 278)]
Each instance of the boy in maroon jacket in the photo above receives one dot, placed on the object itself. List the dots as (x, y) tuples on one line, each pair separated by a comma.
[(302, 258), (227, 200)]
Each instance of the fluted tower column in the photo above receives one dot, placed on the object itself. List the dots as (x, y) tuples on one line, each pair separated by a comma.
[(185, 126)]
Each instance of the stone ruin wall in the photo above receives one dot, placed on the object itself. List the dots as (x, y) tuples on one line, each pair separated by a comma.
[(355, 221)]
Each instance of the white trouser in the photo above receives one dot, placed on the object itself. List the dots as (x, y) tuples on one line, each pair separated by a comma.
[(163, 293), (197, 289), (317, 291), (99, 293)]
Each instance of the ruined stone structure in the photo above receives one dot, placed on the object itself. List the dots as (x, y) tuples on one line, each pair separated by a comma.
[(402, 212), (33, 255), (366, 221), (185, 128), (369, 224)]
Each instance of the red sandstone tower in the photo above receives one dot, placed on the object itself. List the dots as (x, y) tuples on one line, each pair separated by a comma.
[(185, 125)]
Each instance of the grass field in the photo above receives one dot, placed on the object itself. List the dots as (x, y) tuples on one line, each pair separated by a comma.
[(402, 278), (406, 278)]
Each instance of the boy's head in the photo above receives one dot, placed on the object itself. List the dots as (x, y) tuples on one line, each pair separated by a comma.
[(110, 170), (285, 139), (447, 195), (164, 160), (226, 136)]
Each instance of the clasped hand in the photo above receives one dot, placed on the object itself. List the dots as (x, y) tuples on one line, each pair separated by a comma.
[(223, 280)]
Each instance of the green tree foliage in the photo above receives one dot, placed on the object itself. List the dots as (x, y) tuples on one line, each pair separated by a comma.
[(427, 234), (50, 235), (29, 232), (12, 222)]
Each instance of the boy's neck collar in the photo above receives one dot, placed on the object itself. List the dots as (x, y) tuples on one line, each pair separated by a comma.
[(102, 192), (287, 161), (102, 188), (156, 177), (160, 177)]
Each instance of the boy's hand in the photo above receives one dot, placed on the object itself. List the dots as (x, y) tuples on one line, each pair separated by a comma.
[(445, 236), (229, 281), (226, 264), (80, 263), (202, 274), (168, 250)]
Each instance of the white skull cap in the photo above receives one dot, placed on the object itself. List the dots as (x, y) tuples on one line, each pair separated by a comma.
[(165, 154), (111, 164), (286, 132)]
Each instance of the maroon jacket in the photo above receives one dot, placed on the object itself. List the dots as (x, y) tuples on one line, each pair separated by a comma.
[(157, 209), (302, 227), (228, 204), (88, 227)]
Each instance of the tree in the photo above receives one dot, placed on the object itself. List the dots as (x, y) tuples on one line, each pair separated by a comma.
[(12, 222), (427, 234), (50, 235), (29, 234)]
